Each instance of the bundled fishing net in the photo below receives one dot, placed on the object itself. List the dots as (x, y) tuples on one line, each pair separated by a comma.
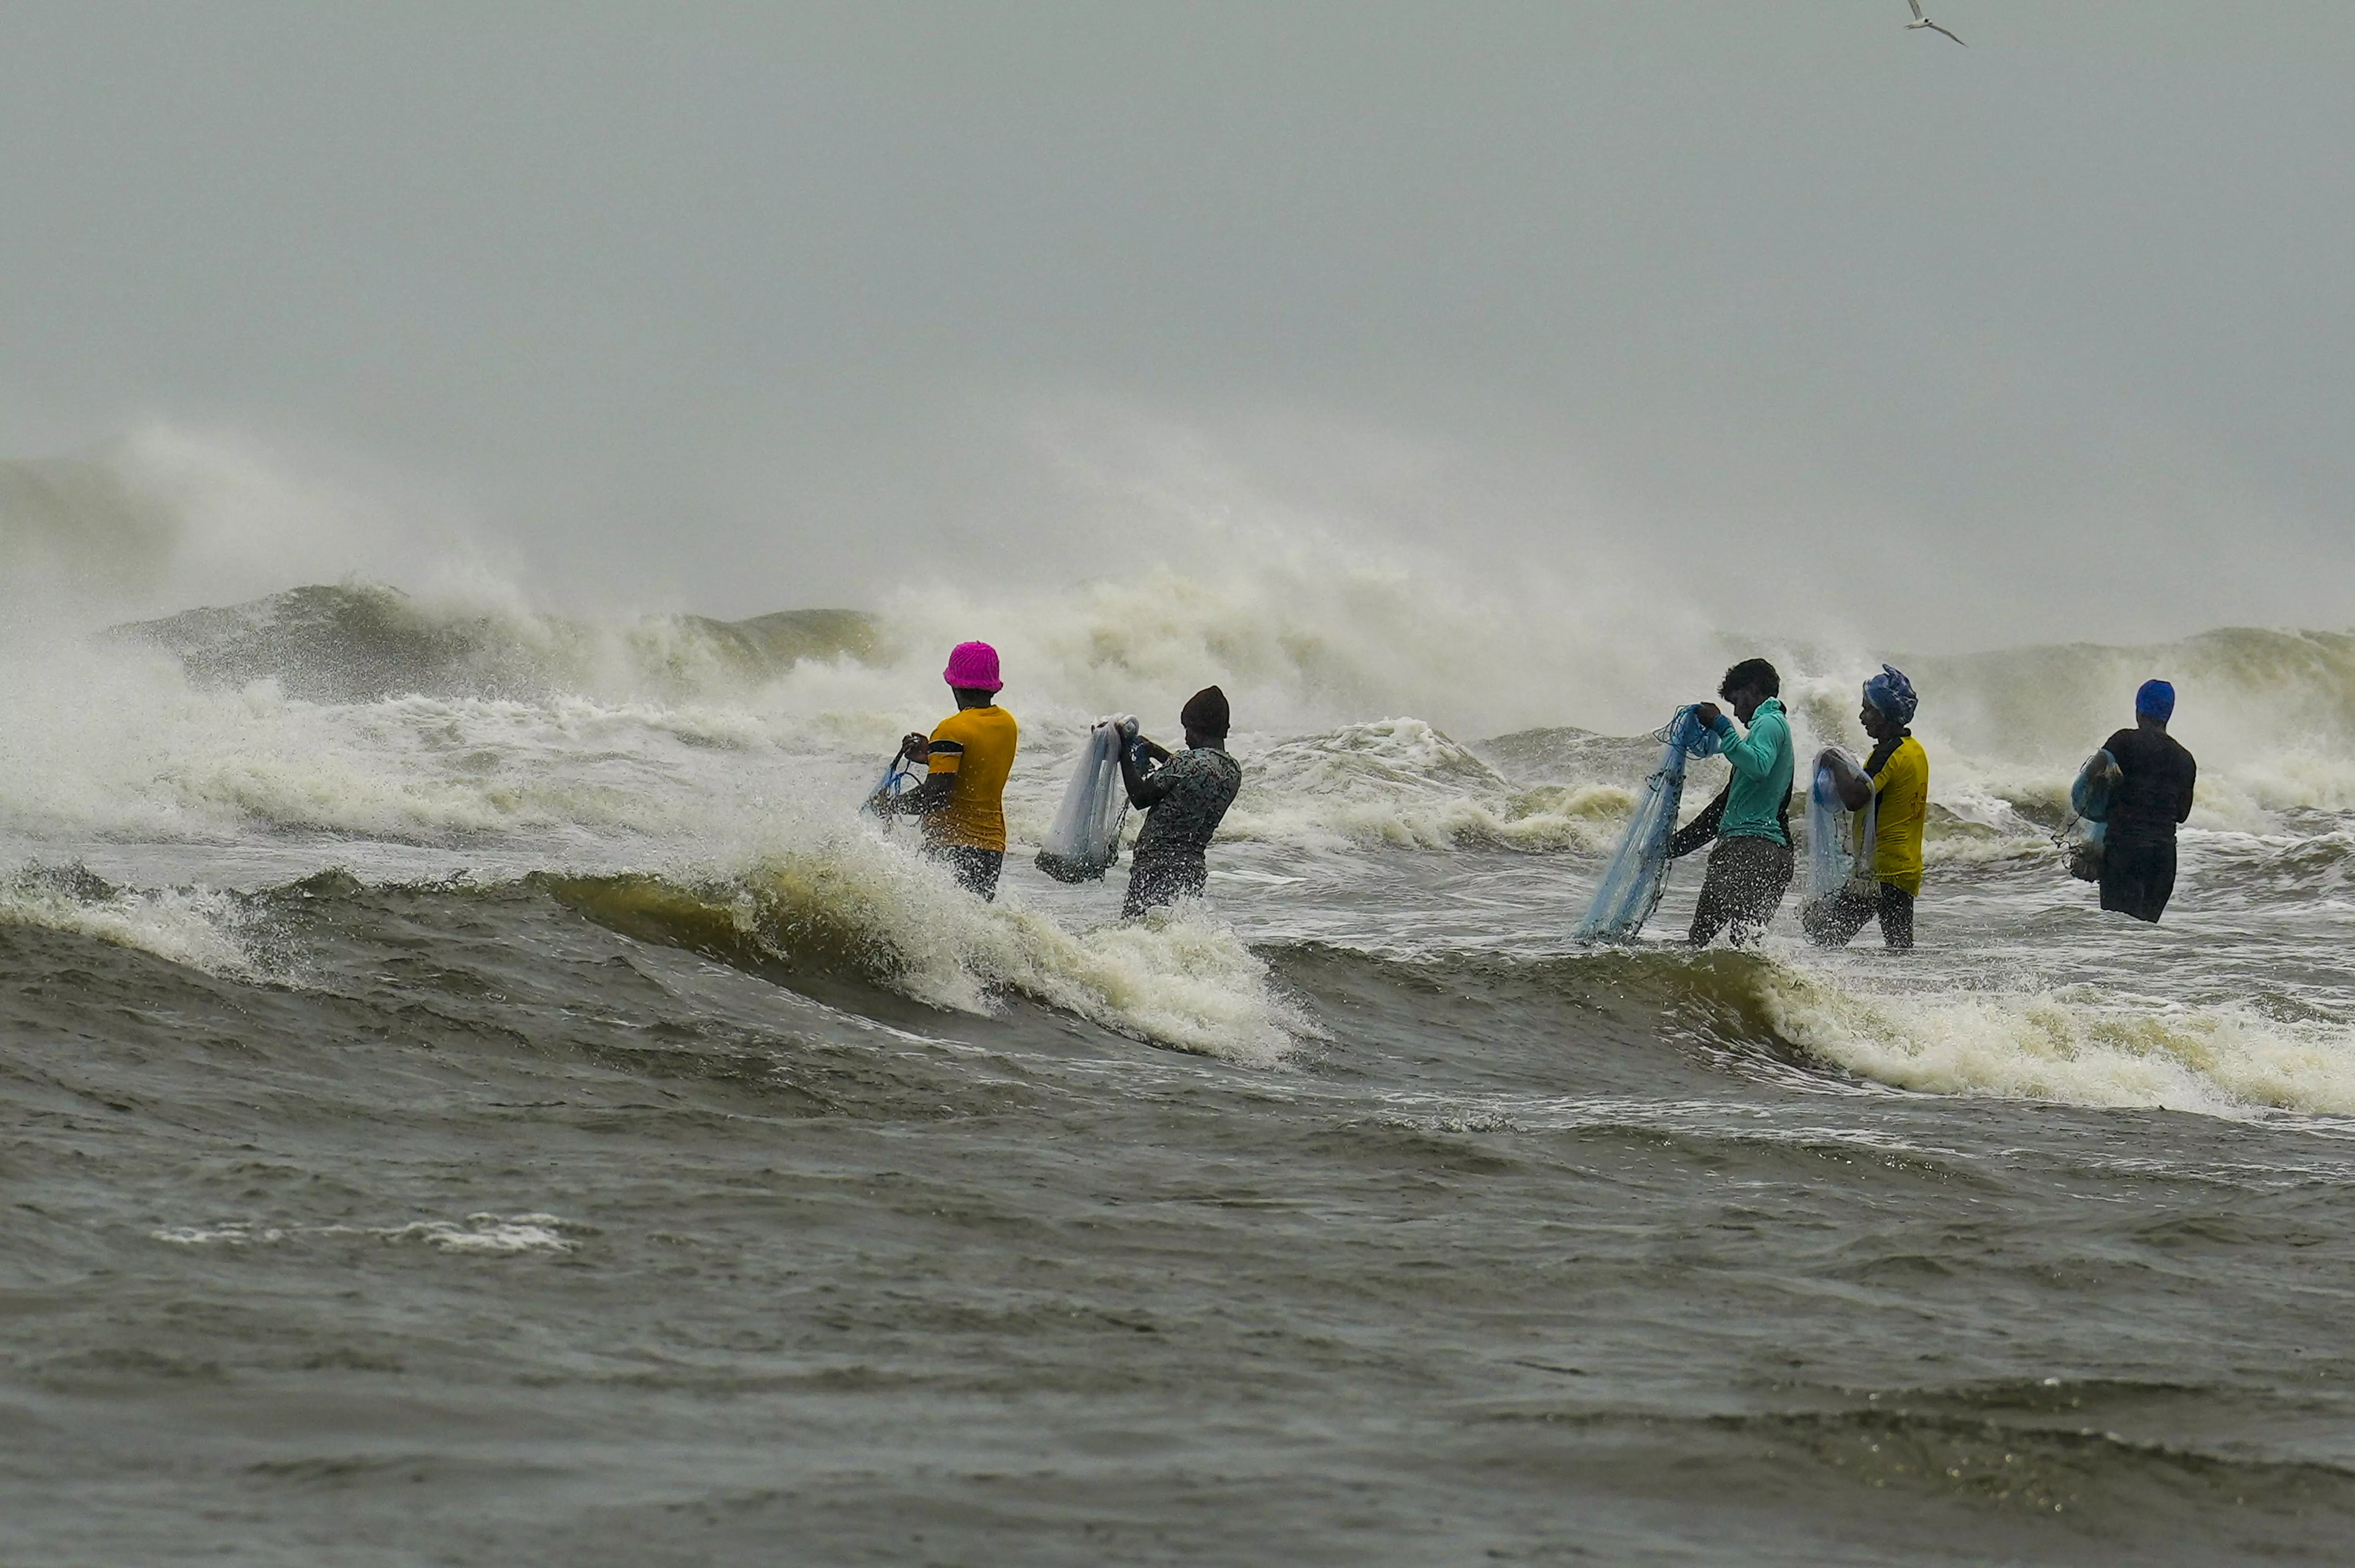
[(1085, 838), (1638, 873), (1840, 847), (899, 776), (2082, 837)]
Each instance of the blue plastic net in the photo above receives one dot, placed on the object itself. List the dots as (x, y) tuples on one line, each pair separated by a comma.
[(2083, 837), (1834, 853), (1638, 873), (898, 777), (2096, 782)]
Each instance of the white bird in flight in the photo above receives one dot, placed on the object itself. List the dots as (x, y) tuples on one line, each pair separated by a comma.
[(1921, 21)]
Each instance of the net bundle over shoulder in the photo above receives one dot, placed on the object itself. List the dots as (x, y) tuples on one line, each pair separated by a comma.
[(1639, 872), (1085, 838)]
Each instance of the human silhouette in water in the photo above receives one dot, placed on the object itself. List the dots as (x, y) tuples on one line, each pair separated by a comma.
[(968, 755), (1184, 797), (2152, 797)]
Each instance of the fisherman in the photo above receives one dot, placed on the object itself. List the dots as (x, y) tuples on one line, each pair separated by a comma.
[(963, 798), (1750, 867), (1184, 797), (1897, 774), (2152, 796)]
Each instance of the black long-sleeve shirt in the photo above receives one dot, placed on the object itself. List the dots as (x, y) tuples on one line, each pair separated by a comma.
[(2154, 792), (1185, 799)]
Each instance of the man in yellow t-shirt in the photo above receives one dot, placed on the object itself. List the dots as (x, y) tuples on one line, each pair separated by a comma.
[(1895, 781), (969, 754)]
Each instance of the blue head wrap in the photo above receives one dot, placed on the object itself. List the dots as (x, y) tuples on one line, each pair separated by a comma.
[(1892, 694), (2155, 700)]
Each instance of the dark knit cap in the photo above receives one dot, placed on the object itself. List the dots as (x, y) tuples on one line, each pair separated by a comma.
[(1205, 712)]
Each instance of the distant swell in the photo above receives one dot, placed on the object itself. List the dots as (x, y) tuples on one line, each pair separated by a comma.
[(365, 643)]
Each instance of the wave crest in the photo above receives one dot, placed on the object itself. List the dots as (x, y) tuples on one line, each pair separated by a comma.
[(860, 910)]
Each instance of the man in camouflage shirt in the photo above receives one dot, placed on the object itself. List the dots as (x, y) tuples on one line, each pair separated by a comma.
[(1184, 797)]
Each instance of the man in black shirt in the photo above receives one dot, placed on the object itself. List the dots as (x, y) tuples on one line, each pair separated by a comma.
[(2152, 795), (1184, 799)]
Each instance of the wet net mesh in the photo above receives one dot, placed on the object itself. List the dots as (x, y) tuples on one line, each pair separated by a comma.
[(2082, 836), (898, 777), (1638, 873), (1085, 838), (1836, 852)]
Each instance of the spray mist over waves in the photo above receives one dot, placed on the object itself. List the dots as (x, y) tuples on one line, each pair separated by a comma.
[(1308, 632), (360, 710), (164, 517)]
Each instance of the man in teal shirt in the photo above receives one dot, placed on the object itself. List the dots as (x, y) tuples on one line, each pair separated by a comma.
[(1750, 869)]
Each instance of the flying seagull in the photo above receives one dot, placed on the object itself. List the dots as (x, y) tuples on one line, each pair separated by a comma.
[(1921, 21)]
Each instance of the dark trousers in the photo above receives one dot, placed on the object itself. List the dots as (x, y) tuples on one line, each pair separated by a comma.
[(2137, 879), (1746, 879), (1831, 921), (1164, 880), (976, 869)]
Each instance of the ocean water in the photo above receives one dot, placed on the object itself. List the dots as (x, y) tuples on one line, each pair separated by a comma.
[(477, 1093)]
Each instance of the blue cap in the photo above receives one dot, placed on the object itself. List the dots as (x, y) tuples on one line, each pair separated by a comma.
[(2155, 700), (1892, 694)]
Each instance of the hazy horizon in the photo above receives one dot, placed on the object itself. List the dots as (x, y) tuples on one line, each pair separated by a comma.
[(1788, 320)]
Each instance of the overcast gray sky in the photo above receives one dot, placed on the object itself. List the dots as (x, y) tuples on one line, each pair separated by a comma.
[(740, 306)]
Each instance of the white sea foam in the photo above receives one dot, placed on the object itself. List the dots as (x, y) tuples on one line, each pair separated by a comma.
[(223, 1234), (482, 1234), (1181, 978), (1399, 782), (489, 1235), (202, 928), (2224, 1060)]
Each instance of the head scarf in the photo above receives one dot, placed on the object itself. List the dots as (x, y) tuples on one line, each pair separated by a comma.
[(1205, 712), (1889, 692), (2155, 700)]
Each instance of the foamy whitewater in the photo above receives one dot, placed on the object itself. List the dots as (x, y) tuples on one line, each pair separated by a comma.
[(478, 1093)]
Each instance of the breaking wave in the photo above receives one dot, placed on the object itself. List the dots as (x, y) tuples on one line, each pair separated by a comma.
[(222, 933), (859, 910), (1766, 1013)]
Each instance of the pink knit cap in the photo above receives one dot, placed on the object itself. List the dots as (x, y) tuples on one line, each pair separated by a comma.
[(973, 667)]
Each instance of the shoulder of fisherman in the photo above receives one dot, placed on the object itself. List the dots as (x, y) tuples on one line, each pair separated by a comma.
[(1899, 771), (1759, 798), (1194, 788), (977, 745)]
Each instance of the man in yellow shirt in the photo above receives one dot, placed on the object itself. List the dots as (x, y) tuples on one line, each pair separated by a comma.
[(1895, 781), (969, 754)]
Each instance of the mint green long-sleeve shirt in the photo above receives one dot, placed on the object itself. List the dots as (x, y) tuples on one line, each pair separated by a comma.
[(1761, 774)]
